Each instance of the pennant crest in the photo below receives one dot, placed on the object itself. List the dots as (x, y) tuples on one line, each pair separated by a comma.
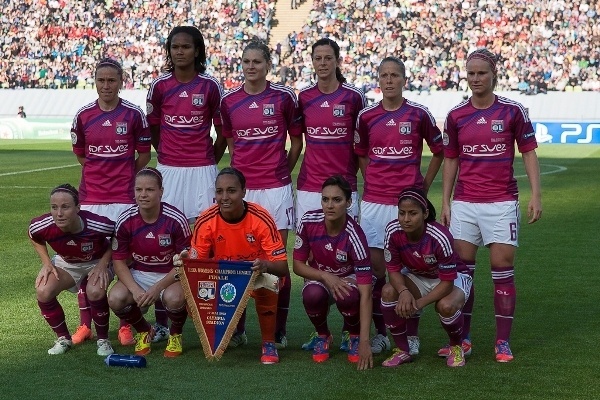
[(216, 293)]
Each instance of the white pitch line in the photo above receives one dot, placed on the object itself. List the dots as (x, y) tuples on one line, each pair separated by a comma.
[(39, 170), (25, 187), (559, 168)]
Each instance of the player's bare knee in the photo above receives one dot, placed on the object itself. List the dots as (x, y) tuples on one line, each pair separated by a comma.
[(447, 308), (388, 293)]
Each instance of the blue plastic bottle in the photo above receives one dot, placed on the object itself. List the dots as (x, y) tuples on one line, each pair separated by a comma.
[(126, 360)]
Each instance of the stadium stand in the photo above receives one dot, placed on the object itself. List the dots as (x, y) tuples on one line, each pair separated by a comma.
[(549, 46)]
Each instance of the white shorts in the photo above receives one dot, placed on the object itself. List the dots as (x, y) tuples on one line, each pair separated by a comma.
[(147, 279), (425, 285), (373, 220), (279, 202), (110, 211), (308, 201), (190, 189), (78, 271), (486, 223)]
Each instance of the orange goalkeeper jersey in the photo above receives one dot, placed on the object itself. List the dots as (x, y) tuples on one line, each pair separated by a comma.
[(254, 236)]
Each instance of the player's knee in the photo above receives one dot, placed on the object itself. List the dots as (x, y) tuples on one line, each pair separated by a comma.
[(94, 292), (173, 297), (447, 308), (388, 293)]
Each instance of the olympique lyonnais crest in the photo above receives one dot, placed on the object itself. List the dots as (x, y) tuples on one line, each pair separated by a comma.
[(250, 238), (404, 128), (216, 293), (87, 247), (198, 99), (268, 110), (497, 125), (341, 256), (164, 240), (339, 110), (121, 128)]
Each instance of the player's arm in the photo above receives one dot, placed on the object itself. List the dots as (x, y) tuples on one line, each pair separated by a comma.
[(47, 266), (141, 161), (81, 159), (443, 289), (337, 286), (365, 355), (532, 168), (220, 144), (155, 134), (230, 147), (362, 164), (432, 170), (449, 172), (151, 295), (295, 150)]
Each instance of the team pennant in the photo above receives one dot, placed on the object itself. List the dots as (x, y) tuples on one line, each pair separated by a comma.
[(216, 293)]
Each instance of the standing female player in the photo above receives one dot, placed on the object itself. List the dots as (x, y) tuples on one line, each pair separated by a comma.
[(222, 233), (257, 118), (329, 111), (389, 144), (80, 240), (339, 271), (479, 145), (106, 134), (150, 233), (183, 105), (423, 269)]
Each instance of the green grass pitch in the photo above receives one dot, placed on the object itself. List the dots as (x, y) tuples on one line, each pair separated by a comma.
[(554, 334)]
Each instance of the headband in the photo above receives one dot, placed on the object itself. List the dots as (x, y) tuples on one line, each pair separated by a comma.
[(485, 56), (153, 171), (415, 196), (64, 189)]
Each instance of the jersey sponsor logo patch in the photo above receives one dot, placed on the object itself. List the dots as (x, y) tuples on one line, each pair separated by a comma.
[(198, 99), (497, 125), (392, 152), (444, 267), (404, 128), (114, 244), (339, 110), (257, 133), (164, 240), (107, 123), (429, 259), (341, 256), (149, 108), (183, 121), (87, 247), (391, 122), (71, 243), (121, 128), (329, 247), (183, 94), (228, 292), (220, 238), (445, 139), (298, 243), (484, 150), (325, 104), (481, 121), (387, 256), (150, 235), (278, 251), (250, 238), (356, 137), (108, 150), (268, 110), (73, 138), (323, 132), (253, 105), (206, 290)]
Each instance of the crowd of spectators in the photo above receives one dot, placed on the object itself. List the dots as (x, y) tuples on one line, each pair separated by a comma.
[(542, 45)]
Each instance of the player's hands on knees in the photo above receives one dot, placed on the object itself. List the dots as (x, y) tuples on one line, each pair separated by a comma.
[(150, 296), (365, 355), (44, 274), (178, 258), (337, 286), (407, 304), (99, 275)]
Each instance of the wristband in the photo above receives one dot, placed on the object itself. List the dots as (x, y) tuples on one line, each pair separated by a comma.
[(403, 290)]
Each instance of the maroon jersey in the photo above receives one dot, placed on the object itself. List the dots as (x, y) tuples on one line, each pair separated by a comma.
[(432, 257), (259, 125), (109, 140), (393, 143), (329, 122), (185, 113), (484, 142), (89, 244), (151, 246), (341, 255)]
